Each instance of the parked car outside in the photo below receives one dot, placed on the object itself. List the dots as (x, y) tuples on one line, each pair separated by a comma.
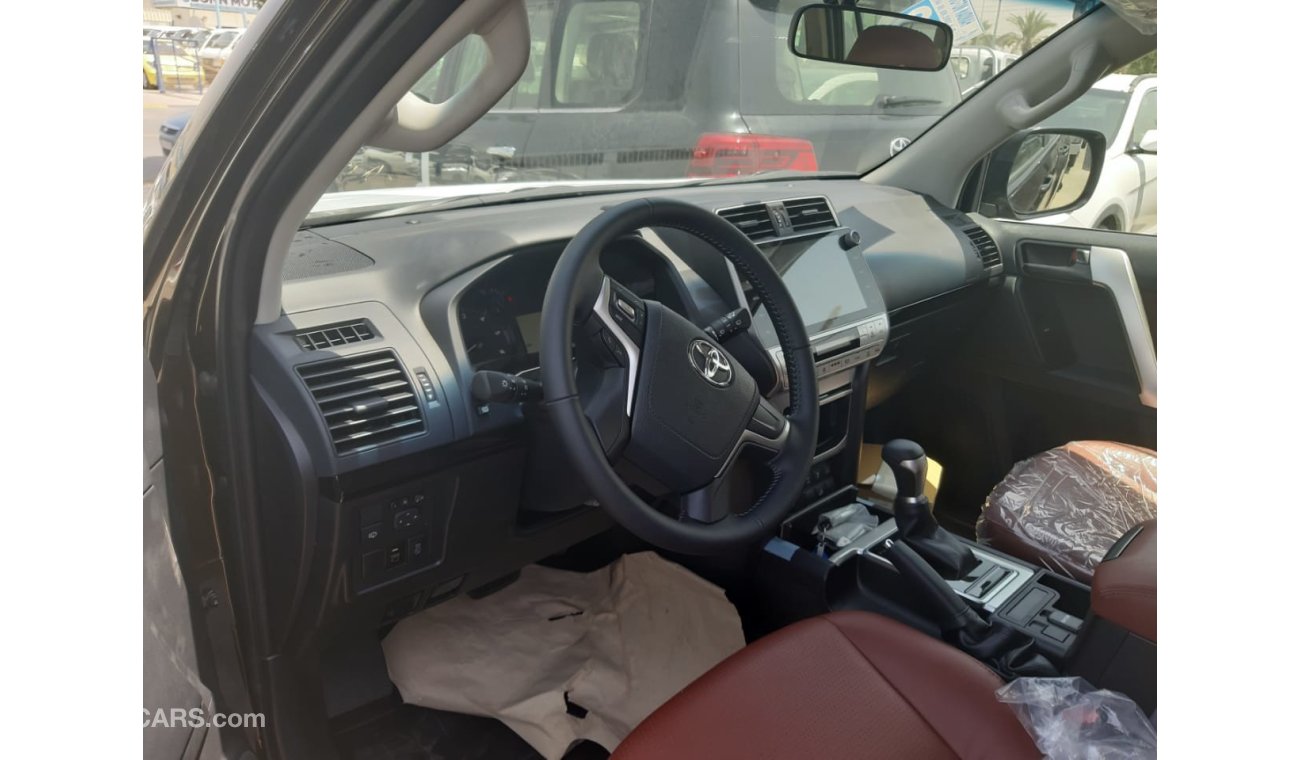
[(216, 50), (658, 120), (978, 64), (170, 129), (177, 68), (1123, 108), (192, 38)]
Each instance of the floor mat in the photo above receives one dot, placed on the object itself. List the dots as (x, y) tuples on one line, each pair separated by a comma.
[(561, 656), (407, 732)]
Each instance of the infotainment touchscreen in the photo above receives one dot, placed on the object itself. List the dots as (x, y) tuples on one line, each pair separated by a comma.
[(831, 287)]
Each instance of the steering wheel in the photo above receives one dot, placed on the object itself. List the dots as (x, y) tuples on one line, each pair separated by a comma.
[(660, 394)]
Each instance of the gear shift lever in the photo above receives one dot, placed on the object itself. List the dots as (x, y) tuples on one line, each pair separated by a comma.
[(916, 524)]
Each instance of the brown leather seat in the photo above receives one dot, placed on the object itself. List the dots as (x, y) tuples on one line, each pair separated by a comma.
[(845, 685), (1124, 586), (895, 47), (1063, 509)]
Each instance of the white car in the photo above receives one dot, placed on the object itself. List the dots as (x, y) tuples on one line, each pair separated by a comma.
[(1123, 108), (976, 65), (216, 50)]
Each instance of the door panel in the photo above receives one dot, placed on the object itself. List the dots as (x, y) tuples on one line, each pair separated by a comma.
[(1065, 351), (1085, 300), (171, 680)]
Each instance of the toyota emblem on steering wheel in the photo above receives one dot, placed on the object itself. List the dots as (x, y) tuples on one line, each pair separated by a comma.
[(711, 363)]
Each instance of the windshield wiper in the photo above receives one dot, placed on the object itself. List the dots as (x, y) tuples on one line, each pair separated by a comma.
[(892, 101)]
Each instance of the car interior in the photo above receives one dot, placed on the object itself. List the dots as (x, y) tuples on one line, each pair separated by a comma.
[(907, 432)]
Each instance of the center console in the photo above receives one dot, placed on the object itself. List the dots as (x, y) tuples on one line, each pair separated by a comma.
[(851, 549), (844, 313), (824, 266), (1048, 608)]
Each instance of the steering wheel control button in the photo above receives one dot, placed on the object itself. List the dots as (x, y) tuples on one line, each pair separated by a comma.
[(711, 363), (614, 347), (627, 311), (765, 422), (729, 324)]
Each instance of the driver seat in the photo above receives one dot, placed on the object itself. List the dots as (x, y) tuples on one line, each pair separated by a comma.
[(844, 685)]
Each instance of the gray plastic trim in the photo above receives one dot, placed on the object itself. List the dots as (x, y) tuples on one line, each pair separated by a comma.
[(601, 310), (501, 20), (1112, 270), (1017, 574)]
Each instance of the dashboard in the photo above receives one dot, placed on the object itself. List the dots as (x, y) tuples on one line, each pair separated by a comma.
[(499, 315), (391, 481)]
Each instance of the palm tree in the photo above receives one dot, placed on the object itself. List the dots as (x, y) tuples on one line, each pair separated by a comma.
[(1029, 27), (988, 39), (1144, 65)]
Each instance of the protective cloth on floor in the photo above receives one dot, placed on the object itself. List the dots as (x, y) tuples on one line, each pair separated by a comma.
[(614, 644)]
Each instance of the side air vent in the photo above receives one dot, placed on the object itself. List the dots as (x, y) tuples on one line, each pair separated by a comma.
[(329, 336), (808, 214), (985, 248), (366, 400), (753, 220)]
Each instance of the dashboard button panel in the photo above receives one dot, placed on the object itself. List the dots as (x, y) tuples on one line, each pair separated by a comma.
[(400, 532)]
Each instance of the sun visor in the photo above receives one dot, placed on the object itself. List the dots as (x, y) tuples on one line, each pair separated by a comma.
[(1140, 13)]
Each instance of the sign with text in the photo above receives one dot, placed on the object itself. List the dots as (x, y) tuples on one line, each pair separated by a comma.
[(958, 14)]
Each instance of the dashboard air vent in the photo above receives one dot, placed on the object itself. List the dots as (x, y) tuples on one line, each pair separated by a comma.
[(753, 220), (807, 214), (366, 400), (985, 248), (340, 334)]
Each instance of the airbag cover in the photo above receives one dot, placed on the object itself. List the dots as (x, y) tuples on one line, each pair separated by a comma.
[(684, 426)]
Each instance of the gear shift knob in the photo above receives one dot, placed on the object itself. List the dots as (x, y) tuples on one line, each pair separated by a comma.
[(916, 524), (906, 459)]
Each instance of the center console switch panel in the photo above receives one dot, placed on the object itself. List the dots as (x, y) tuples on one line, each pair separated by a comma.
[(1052, 609)]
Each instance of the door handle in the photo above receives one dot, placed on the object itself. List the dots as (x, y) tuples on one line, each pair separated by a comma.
[(1056, 262)]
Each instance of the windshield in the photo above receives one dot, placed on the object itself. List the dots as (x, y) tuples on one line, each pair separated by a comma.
[(640, 92)]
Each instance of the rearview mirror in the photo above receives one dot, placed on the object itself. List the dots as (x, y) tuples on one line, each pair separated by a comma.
[(861, 36), (1043, 171)]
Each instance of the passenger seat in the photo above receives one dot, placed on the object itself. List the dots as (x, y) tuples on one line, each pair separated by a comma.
[(1064, 508)]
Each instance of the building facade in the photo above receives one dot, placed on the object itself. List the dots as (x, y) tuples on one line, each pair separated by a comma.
[(209, 14)]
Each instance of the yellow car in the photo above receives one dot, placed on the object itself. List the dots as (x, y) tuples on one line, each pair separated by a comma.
[(176, 69)]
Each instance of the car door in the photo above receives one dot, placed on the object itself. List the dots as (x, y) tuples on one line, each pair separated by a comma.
[(176, 701), (1065, 351)]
